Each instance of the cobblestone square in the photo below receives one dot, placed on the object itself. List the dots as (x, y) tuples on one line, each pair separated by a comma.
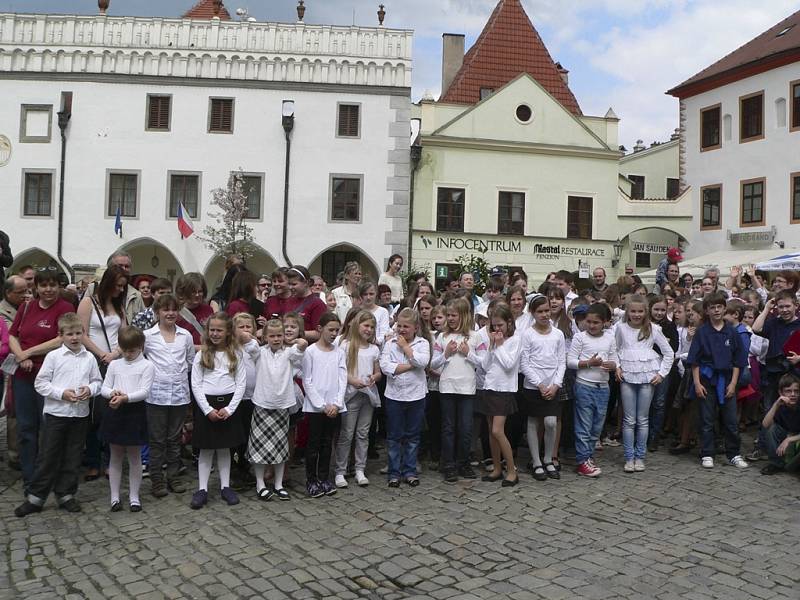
[(674, 531)]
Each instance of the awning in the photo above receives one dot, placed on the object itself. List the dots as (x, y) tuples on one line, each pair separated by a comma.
[(722, 260), (787, 262)]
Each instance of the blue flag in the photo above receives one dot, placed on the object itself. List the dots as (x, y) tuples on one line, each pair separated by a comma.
[(118, 222)]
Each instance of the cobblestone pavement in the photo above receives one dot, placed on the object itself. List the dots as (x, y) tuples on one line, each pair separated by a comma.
[(675, 531)]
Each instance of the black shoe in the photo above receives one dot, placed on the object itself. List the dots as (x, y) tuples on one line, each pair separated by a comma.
[(539, 473), (27, 508), (450, 475), (466, 472), (510, 482), (116, 506), (770, 469), (71, 505), (394, 483), (136, 507), (552, 472)]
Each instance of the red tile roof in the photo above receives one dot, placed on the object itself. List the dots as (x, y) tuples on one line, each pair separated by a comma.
[(767, 51), (204, 9), (508, 46)]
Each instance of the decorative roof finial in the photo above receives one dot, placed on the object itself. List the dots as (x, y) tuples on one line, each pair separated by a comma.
[(301, 10), (103, 5), (381, 14), (217, 8)]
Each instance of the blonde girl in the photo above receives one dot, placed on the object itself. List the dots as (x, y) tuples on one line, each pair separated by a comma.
[(219, 380), (403, 360), (640, 370), (454, 352), (497, 400), (363, 372), (543, 364)]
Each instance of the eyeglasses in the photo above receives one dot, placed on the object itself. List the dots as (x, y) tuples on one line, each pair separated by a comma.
[(46, 269)]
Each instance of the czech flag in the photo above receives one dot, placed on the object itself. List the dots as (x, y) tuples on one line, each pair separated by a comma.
[(185, 225), (118, 222)]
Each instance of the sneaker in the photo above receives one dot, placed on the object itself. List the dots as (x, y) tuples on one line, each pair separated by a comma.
[(450, 475), (593, 465), (231, 497), (707, 462), (328, 488), (466, 472), (71, 505), (755, 455), (738, 462), (145, 471), (314, 489), (473, 460), (384, 470), (608, 441), (199, 499), (361, 479), (638, 465), (27, 508), (628, 468), (340, 481), (587, 469)]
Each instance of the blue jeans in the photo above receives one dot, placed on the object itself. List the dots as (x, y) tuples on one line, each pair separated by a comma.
[(457, 412), (591, 402), (708, 417), (636, 399), (28, 405), (403, 427), (658, 408)]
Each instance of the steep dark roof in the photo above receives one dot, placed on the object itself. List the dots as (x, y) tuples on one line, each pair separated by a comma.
[(204, 9), (777, 46), (508, 46)]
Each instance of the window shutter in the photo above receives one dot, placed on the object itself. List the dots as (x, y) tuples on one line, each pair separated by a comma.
[(221, 115), (348, 120), (158, 116)]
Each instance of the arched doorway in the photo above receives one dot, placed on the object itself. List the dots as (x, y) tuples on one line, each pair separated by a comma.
[(150, 257), (34, 257), (260, 263), (331, 262), (644, 248)]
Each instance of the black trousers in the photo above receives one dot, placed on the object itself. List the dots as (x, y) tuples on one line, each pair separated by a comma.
[(59, 459), (321, 430)]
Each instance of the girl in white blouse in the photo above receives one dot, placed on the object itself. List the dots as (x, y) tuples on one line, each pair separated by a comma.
[(640, 370), (219, 380)]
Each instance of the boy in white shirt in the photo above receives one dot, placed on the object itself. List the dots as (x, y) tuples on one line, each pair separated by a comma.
[(68, 379)]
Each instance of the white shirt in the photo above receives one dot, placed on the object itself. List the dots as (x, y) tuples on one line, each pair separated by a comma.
[(134, 378), (343, 302), (324, 379), (637, 359), (458, 371), (382, 326), (584, 346), (411, 385), (250, 355), (275, 378), (112, 324), (172, 363), (218, 381), (483, 345), (523, 322), (502, 366), (365, 366), (544, 358), (62, 370)]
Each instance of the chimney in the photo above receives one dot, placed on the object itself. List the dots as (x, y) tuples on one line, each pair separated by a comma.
[(452, 57), (639, 146), (563, 72), (676, 135)]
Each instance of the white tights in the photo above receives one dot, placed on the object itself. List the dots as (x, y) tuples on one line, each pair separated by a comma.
[(549, 439), (134, 471), (258, 469), (223, 464)]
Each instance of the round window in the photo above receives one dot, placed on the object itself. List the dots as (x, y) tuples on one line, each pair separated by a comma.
[(524, 113)]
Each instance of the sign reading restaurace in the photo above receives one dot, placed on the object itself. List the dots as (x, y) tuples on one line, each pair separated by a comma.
[(525, 247)]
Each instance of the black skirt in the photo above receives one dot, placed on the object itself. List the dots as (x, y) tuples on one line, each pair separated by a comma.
[(215, 435), (536, 406), (497, 404), (124, 426)]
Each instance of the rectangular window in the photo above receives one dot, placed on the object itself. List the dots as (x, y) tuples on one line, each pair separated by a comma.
[(710, 121), (753, 198), (251, 185), (511, 213), (794, 190), (673, 187), (38, 194), (637, 189), (450, 209), (35, 123), (220, 115), (642, 260), (122, 193), (711, 206), (184, 189), (795, 106), (345, 198), (751, 117), (158, 112), (349, 121), (579, 218)]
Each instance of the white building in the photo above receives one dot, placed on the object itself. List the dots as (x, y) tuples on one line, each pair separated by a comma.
[(163, 110), (740, 147)]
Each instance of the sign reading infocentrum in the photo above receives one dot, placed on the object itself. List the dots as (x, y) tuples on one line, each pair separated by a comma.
[(541, 251)]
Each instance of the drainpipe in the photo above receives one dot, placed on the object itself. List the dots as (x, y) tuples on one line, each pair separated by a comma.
[(287, 120), (64, 115)]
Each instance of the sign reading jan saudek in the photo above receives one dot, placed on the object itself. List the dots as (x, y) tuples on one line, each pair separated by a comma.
[(500, 246)]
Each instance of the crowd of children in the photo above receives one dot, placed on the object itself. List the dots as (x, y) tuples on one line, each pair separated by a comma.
[(451, 375)]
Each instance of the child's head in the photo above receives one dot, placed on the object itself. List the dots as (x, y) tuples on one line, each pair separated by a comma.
[(437, 317), (579, 315), (714, 305), (695, 313), (329, 325), (165, 308), (734, 313), (293, 326), (368, 292), (596, 316), (751, 298), (789, 388), (160, 286), (516, 299), (539, 307), (330, 300), (218, 331), (274, 334), (493, 289), (384, 294), (244, 326), (679, 314), (458, 314), (697, 288), (556, 297), (708, 285), (408, 323), (191, 289), (658, 308), (503, 320), (362, 328), (131, 342), (425, 306), (70, 328), (563, 280), (637, 315), (299, 280), (749, 315), (786, 305)]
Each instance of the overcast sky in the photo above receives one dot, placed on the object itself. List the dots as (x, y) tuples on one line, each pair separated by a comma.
[(621, 53)]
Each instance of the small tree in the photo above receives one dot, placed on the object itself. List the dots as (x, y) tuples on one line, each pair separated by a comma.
[(231, 234), (477, 265)]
